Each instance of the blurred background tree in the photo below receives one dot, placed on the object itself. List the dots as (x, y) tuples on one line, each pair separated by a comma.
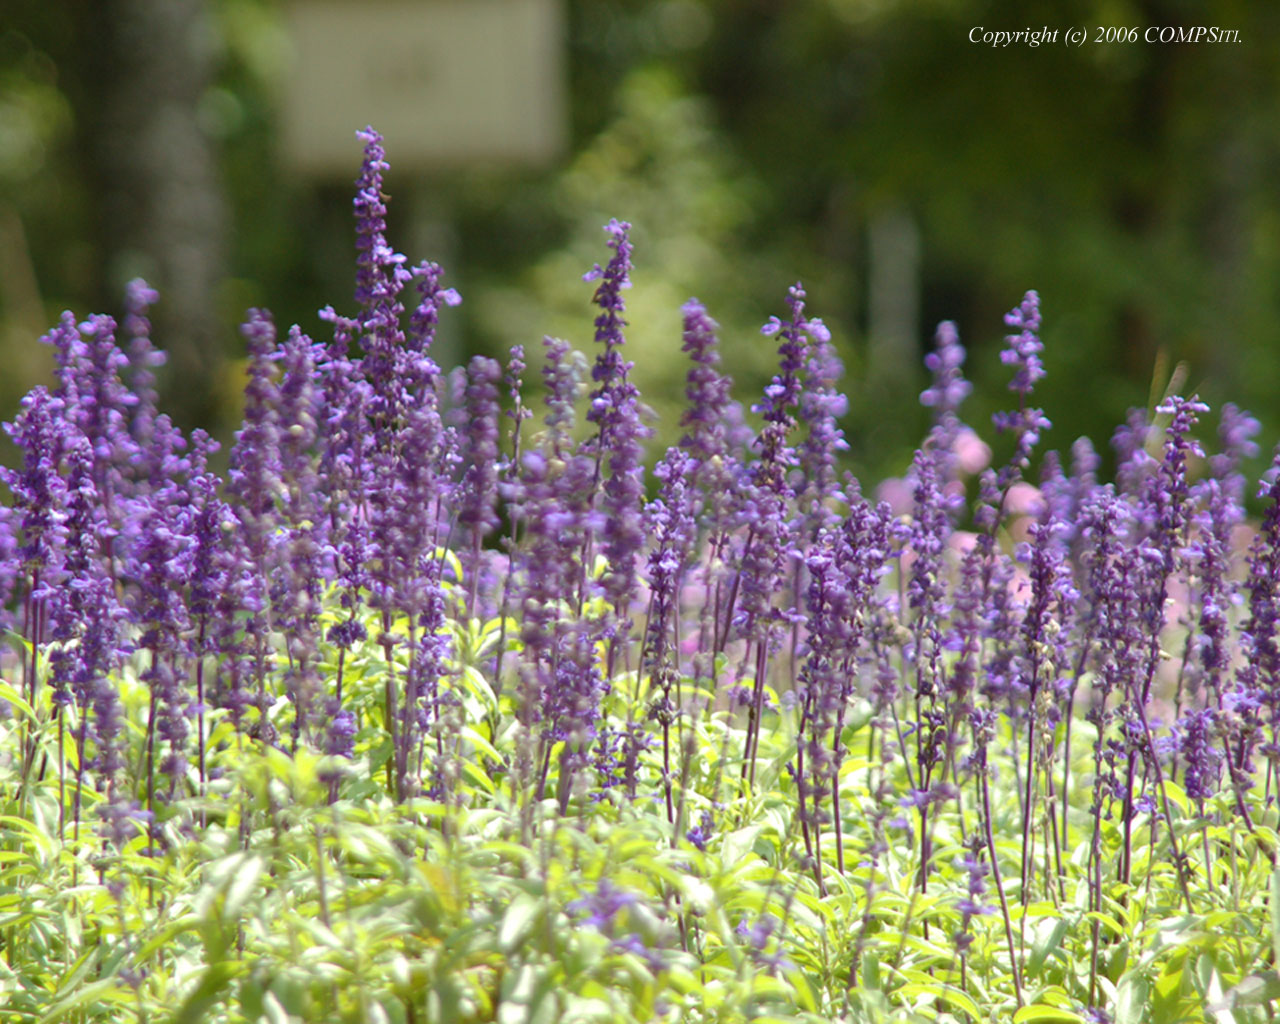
[(866, 147)]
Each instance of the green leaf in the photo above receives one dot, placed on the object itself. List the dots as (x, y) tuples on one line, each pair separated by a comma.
[(735, 846), (517, 921), (108, 989), (1047, 940), (803, 989), (956, 997), (488, 749), (1048, 1013), (1131, 998), (871, 972), (42, 841), (1275, 912), (272, 1009), (474, 772), (1168, 989), (1255, 990), (208, 992), (479, 687), (166, 935), (10, 694), (240, 887), (1177, 795)]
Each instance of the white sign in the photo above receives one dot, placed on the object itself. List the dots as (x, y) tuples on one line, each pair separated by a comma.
[(446, 82)]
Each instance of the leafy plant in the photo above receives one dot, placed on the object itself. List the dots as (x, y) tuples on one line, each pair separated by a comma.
[(408, 717)]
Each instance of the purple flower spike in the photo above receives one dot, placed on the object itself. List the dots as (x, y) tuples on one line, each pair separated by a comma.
[(380, 271), (480, 446), (706, 420), (255, 457), (1024, 348), (972, 905), (477, 494), (254, 479), (1022, 352), (766, 494), (1200, 752), (611, 369), (143, 356), (1258, 677), (615, 409), (601, 908), (39, 491), (821, 407), (949, 387), (1170, 496), (707, 390), (783, 392)]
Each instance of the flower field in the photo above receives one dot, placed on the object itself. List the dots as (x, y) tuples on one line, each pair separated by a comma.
[(447, 702)]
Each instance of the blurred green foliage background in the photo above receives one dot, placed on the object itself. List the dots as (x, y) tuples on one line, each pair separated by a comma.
[(865, 147)]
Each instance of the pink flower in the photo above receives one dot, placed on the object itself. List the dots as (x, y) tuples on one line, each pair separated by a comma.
[(896, 492), (973, 454), (1023, 499)]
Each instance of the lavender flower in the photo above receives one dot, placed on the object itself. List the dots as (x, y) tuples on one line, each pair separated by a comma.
[(478, 492), (162, 565), (1236, 431), (821, 676), (1022, 352), (254, 479), (611, 369), (1047, 622), (103, 647), (144, 358), (614, 408), (707, 389), (380, 271), (102, 407), (1133, 462), (38, 488), (345, 451), (341, 734), (621, 504), (562, 372), (972, 904), (1196, 734), (552, 499), (617, 756), (766, 552), (81, 566), (69, 354), (949, 388), (783, 393), (381, 276), (600, 909), (926, 587), (1258, 677), (255, 473), (1076, 488), (513, 378), (757, 936), (297, 575), (701, 833), (821, 407), (1024, 348), (670, 521), (1170, 500), (1209, 554)]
